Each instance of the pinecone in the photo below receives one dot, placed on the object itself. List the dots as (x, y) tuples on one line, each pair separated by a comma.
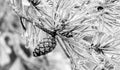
[(44, 47)]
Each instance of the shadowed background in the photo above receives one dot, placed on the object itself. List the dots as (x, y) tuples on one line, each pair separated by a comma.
[(14, 55)]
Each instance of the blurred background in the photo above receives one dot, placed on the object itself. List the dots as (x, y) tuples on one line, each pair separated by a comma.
[(14, 55)]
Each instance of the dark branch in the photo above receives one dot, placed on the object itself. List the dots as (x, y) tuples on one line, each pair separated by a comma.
[(22, 24), (52, 33)]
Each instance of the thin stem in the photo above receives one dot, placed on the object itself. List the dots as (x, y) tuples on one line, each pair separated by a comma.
[(52, 33), (95, 67), (69, 56), (63, 48), (63, 39), (22, 24)]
